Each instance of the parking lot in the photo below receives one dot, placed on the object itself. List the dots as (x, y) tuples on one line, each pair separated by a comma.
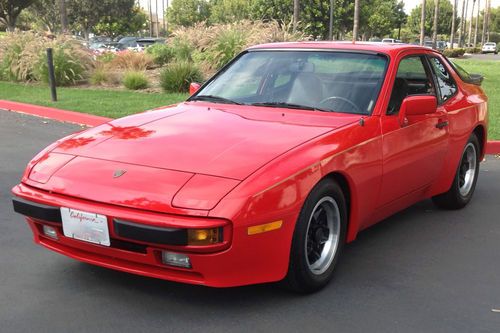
[(422, 270)]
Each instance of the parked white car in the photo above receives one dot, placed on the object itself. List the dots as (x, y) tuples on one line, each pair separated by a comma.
[(490, 48), (391, 40)]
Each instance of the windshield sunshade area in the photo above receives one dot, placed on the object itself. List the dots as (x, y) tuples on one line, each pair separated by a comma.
[(345, 82)]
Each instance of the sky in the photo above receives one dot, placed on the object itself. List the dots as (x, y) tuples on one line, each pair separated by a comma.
[(409, 4)]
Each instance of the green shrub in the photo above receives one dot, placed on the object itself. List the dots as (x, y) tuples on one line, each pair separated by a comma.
[(177, 76), (20, 52), (454, 53), (135, 80), (226, 45), (473, 50), (99, 76), (67, 68), (162, 54), (24, 58), (182, 49)]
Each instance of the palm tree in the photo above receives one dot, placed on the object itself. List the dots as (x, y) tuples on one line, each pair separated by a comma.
[(157, 20), (330, 25), (296, 10), (453, 19), (483, 36), (461, 31), (422, 24), (150, 19), (469, 40), (64, 16), (435, 25), (464, 25), (488, 17), (477, 22), (356, 21)]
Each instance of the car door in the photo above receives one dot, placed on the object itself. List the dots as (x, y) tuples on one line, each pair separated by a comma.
[(413, 152)]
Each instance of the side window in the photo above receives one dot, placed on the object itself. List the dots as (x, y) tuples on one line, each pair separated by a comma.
[(447, 86), (412, 78)]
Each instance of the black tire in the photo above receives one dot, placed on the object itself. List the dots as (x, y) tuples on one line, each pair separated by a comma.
[(455, 198), (301, 277)]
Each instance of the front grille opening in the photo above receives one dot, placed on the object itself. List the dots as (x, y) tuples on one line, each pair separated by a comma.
[(115, 243)]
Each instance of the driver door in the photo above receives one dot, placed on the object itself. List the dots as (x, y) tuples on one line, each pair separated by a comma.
[(413, 152)]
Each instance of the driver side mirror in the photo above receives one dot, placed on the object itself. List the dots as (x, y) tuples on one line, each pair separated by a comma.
[(416, 105), (193, 88)]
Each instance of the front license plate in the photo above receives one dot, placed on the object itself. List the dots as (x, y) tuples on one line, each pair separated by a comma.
[(88, 227)]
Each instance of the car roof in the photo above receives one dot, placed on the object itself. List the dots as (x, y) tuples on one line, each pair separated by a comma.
[(379, 47)]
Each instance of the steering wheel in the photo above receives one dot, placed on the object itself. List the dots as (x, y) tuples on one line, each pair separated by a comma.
[(343, 99)]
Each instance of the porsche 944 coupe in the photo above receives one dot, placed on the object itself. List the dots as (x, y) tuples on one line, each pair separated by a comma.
[(267, 170)]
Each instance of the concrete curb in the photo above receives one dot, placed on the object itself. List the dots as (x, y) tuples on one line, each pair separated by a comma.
[(492, 147), (55, 114)]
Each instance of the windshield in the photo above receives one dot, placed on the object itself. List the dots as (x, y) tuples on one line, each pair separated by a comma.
[(316, 80)]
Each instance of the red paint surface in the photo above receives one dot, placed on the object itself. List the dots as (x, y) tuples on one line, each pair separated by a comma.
[(213, 165), (55, 114)]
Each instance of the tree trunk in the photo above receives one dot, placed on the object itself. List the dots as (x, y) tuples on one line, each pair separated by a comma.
[(422, 24), (150, 18), (435, 25), (483, 35), (488, 21), (164, 18), (296, 12), (86, 33), (157, 20), (461, 31), (469, 40), (330, 25), (453, 19), (64, 16), (355, 28), (465, 21), (477, 22), (11, 27)]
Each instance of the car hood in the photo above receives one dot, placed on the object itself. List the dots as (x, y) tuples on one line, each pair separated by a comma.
[(184, 157), (196, 139)]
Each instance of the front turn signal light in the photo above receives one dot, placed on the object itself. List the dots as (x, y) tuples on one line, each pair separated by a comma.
[(204, 236)]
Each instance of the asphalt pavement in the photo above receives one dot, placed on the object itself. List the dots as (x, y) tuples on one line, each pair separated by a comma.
[(422, 270)]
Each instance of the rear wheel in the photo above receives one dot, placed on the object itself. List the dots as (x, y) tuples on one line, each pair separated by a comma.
[(318, 238), (465, 179)]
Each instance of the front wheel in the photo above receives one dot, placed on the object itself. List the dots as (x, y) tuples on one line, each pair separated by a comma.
[(318, 238), (465, 179)]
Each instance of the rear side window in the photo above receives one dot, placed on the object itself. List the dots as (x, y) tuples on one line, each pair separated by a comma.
[(446, 84)]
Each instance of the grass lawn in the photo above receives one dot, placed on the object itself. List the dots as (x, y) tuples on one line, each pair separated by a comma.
[(107, 103), (491, 85)]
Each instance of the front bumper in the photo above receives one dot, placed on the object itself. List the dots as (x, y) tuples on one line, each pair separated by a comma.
[(239, 260)]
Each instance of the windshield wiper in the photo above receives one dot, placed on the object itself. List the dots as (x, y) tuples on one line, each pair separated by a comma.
[(289, 106), (215, 99)]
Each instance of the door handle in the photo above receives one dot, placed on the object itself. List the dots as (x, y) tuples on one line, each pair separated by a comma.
[(442, 124)]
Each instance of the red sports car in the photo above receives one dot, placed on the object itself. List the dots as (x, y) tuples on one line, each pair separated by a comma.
[(267, 170)]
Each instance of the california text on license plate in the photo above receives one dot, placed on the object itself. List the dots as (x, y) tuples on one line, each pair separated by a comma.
[(88, 227)]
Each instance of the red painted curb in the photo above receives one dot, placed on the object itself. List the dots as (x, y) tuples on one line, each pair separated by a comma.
[(492, 147), (55, 114)]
